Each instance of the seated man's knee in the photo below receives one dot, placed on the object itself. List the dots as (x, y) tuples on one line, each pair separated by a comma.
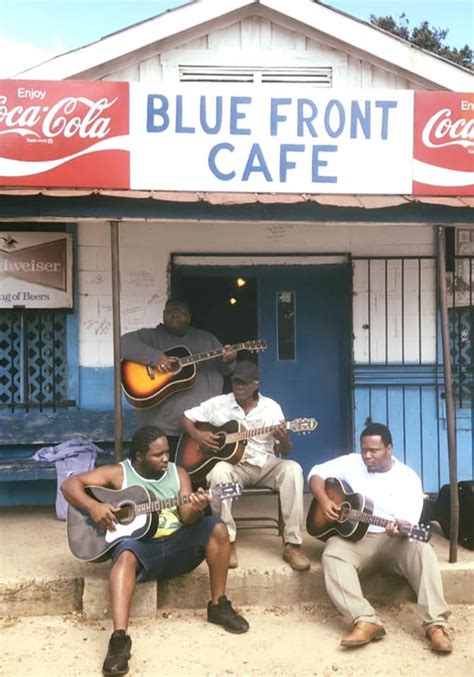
[(221, 472), (292, 469), (220, 533), (126, 560)]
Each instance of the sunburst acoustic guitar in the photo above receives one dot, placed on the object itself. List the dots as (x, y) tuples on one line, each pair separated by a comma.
[(232, 438), (145, 386)]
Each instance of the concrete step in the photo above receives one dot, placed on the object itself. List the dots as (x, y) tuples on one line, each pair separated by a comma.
[(39, 576)]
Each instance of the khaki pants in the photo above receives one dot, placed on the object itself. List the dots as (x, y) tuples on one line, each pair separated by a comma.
[(415, 561), (284, 475)]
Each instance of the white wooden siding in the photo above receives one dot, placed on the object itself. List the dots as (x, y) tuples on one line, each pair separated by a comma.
[(256, 41)]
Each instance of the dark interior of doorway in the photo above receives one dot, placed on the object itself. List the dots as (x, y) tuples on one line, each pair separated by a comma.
[(221, 306)]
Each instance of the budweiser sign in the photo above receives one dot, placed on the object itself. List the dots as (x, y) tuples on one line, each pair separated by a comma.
[(64, 134), (443, 151), (35, 270)]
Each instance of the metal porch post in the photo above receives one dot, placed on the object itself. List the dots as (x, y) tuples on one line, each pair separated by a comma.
[(118, 419), (448, 388)]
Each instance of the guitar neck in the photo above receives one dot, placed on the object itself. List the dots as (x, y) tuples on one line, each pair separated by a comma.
[(157, 506), (246, 434), (201, 357), (366, 518)]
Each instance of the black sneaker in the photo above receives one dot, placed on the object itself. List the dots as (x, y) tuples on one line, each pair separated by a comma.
[(116, 661), (223, 614)]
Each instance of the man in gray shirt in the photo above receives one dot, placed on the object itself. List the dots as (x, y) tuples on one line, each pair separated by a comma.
[(146, 346)]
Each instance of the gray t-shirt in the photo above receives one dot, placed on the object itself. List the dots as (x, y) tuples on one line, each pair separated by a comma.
[(145, 345)]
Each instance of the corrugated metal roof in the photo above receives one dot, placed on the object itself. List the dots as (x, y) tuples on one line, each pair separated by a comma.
[(215, 198)]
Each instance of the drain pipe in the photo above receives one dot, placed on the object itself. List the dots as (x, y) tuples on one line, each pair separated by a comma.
[(118, 419), (448, 388)]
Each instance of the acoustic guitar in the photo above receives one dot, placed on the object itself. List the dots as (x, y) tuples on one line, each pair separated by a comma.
[(137, 518), (145, 386), (355, 515), (232, 439)]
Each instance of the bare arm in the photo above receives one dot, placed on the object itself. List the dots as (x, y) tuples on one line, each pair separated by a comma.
[(74, 491), (329, 508), (193, 511)]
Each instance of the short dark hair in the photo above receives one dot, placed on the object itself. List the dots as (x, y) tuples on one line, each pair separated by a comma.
[(378, 429), (143, 438), (177, 301)]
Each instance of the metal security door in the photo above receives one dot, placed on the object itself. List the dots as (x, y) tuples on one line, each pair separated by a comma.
[(304, 313)]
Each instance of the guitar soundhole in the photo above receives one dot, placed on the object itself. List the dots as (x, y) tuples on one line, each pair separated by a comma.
[(126, 514), (221, 440), (344, 511)]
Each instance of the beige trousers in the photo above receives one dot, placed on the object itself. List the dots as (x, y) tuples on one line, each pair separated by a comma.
[(415, 561), (284, 475)]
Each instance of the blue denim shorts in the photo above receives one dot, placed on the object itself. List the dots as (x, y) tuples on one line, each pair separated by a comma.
[(174, 555)]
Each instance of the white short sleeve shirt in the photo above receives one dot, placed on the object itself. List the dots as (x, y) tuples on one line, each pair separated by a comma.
[(223, 408)]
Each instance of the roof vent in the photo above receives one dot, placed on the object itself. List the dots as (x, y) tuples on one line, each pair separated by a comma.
[(316, 76)]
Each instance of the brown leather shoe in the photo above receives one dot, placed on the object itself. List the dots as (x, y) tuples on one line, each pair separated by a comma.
[(295, 557), (233, 561), (363, 633), (439, 638)]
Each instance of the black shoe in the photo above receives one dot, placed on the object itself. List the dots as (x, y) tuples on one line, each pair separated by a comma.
[(116, 661), (223, 614)]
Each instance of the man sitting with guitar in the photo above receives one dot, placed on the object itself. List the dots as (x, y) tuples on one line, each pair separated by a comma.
[(147, 346), (396, 493), (184, 537), (258, 466)]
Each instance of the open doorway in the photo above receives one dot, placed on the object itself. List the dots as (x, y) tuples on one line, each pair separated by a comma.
[(224, 306)]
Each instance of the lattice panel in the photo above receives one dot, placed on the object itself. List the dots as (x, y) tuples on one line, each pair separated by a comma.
[(33, 359), (10, 358), (462, 354)]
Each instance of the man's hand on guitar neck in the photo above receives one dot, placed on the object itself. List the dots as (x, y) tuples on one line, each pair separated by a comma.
[(282, 441), (394, 528), (229, 354)]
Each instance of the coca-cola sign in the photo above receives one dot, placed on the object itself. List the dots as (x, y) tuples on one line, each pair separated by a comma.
[(150, 136), (71, 133), (443, 148)]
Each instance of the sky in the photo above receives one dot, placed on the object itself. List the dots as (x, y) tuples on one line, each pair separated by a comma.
[(32, 31)]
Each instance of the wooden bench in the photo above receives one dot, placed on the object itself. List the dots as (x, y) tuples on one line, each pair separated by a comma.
[(261, 521), (21, 435)]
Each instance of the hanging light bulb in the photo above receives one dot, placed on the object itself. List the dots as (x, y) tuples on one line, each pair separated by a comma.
[(240, 282), (232, 300)]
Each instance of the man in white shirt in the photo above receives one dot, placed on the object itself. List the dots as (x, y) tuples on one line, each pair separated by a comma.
[(259, 466), (396, 492)]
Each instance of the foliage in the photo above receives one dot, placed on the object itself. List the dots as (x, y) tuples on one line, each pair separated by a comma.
[(425, 36)]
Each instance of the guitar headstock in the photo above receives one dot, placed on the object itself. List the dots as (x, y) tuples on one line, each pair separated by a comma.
[(416, 532), (302, 425), (256, 346), (227, 490)]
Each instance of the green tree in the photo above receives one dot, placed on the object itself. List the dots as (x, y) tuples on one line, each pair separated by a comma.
[(425, 36)]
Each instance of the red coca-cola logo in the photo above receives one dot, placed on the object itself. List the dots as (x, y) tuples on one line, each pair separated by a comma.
[(443, 148), (64, 134)]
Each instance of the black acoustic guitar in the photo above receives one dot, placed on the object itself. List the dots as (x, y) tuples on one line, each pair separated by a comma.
[(355, 515), (232, 438), (137, 518), (145, 386)]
